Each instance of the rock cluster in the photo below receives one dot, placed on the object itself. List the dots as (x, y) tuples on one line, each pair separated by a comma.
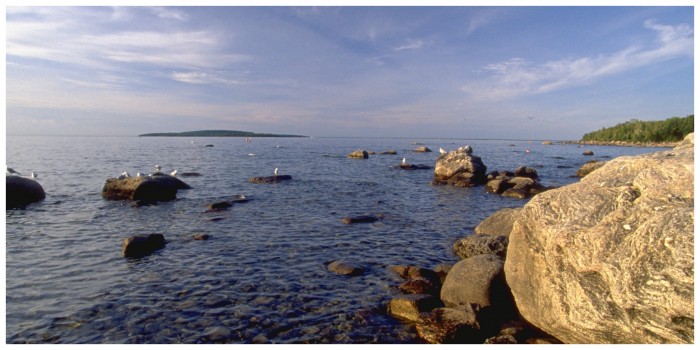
[(611, 259), (359, 154), (523, 183)]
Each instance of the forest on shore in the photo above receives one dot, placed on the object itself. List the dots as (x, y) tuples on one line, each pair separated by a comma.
[(669, 130)]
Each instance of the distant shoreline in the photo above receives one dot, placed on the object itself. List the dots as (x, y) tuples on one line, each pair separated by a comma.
[(626, 143), (215, 133)]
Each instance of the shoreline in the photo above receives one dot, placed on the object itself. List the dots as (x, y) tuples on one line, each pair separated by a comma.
[(625, 143)]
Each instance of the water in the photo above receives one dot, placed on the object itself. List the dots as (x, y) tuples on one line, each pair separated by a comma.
[(262, 276)]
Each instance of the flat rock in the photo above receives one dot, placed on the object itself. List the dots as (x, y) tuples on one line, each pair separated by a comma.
[(361, 219), (156, 188), (270, 179)]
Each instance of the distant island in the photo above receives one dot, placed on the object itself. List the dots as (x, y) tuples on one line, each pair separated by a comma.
[(216, 133), (636, 131)]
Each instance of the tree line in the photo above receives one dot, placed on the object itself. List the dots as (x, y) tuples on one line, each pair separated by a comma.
[(669, 130)]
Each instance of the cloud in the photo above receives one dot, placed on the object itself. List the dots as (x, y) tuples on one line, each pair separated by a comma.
[(517, 77), (412, 44), (167, 13), (202, 78)]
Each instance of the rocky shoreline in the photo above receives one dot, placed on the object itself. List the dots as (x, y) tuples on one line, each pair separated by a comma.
[(607, 260), (624, 143)]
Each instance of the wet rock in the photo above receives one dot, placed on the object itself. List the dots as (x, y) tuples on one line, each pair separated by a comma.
[(217, 333), (208, 145), (450, 325), (220, 205), (270, 179), (525, 171), (344, 268), (406, 166), (359, 154), (408, 307), (589, 167), (361, 219), (419, 285), (156, 188), (389, 152), (498, 185), (515, 193), (190, 174), (201, 236), (478, 244), (139, 246), (587, 153), (22, 191), (413, 272), (502, 339), (422, 149), (442, 270)]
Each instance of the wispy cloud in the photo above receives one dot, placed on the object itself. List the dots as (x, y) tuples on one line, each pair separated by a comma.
[(517, 77), (200, 77), (412, 44)]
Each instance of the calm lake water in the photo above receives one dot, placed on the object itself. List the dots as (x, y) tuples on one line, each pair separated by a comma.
[(262, 276)]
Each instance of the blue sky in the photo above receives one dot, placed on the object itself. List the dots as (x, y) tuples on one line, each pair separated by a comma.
[(409, 71)]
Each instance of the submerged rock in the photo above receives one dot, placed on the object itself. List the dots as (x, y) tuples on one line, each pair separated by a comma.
[(422, 149), (450, 326), (405, 166), (361, 219), (408, 307), (139, 246), (22, 191), (611, 259), (344, 268), (270, 179)]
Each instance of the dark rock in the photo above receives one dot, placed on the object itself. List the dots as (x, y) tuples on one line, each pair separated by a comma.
[(442, 270), (360, 219), (362, 154), (22, 191), (190, 174), (450, 325), (473, 245), (269, 179), (497, 185), (587, 153), (419, 285), (156, 188), (405, 166), (139, 246), (391, 152), (408, 307), (422, 149), (220, 205), (208, 145), (516, 193), (524, 171), (413, 272), (502, 339), (344, 268)]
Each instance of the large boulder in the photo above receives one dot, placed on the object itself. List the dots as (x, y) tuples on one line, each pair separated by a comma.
[(589, 167), (499, 223), (22, 191), (611, 259), (474, 245), (459, 168), (477, 280), (156, 188)]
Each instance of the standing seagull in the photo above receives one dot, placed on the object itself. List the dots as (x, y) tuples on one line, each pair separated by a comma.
[(34, 175), (173, 173), (276, 170), (442, 150), (12, 171), (157, 167), (403, 161)]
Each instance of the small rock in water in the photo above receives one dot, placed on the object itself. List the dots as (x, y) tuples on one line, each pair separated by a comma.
[(344, 268), (361, 219), (201, 236), (139, 246), (220, 205)]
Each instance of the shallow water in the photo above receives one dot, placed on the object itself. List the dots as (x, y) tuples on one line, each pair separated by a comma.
[(262, 276)]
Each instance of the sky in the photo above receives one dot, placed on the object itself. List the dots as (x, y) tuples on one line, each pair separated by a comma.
[(502, 72)]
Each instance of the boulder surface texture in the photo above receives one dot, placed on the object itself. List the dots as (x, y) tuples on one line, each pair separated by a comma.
[(610, 259), (22, 191)]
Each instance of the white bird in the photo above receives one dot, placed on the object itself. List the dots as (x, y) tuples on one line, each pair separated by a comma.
[(252, 154), (138, 174), (123, 176), (442, 150), (157, 167), (403, 161), (34, 175), (276, 169), (12, 171), (173, 173)]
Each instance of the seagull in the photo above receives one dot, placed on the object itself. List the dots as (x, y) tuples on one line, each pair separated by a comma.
[(34, 175), (12, 171), (138, 174), (173, 173), (276, 169), (442, 150), (157, 167), (124, 175), (403, 161)]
